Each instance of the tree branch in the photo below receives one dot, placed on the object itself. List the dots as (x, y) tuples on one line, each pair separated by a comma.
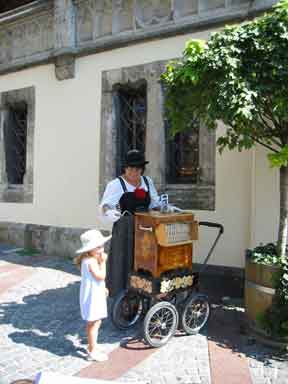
[(271, 116), (275, 142), (263, 144)]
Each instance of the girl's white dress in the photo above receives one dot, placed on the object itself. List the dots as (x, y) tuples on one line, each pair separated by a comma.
[(93, 302)]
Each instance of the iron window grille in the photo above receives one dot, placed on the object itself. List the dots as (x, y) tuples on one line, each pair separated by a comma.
[(130, 103), (183, 155), (15, 138)]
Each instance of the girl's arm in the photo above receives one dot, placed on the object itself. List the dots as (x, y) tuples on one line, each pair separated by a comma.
[(104, 257), (97, 271)]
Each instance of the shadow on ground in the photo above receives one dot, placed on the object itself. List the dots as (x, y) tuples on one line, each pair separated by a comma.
[(51, 321), (228, 328), (32, 259)]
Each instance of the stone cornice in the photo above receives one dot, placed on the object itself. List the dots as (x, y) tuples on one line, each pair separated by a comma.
[(61, 30), (167, 30), (25, 10)]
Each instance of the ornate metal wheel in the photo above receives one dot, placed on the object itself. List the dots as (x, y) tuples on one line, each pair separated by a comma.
[(160, 323), (127, 309), (195, 313)]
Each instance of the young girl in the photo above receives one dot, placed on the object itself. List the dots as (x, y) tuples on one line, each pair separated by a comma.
[(93, 293)]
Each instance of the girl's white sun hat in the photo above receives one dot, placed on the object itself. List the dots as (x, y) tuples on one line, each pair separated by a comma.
[(92, 239)]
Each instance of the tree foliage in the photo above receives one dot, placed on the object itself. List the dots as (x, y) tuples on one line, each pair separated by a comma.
[(239, 76)]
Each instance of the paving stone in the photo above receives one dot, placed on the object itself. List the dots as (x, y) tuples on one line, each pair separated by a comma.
[(41, 329)]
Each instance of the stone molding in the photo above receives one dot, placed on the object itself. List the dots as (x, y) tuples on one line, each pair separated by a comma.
[(65, 66), (64, 39), (26, 35), (28, 9), (45, 30), (48, 240), (188, 196)]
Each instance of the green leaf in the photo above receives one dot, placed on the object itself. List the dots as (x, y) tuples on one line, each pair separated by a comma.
[(279, 159), (282, 4)]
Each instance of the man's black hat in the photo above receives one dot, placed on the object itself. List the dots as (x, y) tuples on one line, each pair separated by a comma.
[(135, 158)]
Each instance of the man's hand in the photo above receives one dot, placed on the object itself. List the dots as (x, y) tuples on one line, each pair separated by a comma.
[(112, 215), (173, 208)]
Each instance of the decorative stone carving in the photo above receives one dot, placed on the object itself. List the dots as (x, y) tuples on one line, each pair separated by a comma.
[(65, 67), (64, 41), (5, 47), (210, 5), (94, 19), (235, 3), (152, 12), (101, 21), (185, 8), (47, 28), (64, 19), (26, 38), (122, 18)]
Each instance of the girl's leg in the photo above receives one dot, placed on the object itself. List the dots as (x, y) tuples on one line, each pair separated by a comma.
[(92, 333)]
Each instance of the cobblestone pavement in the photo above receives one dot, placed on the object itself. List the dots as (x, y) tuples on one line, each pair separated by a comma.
[(41, 329), (182, 360), (266, 365), (40, 324)]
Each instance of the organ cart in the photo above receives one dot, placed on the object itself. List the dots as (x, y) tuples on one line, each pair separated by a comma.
[(163, 290)]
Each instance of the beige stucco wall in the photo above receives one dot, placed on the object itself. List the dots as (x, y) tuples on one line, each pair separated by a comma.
[(265, 199), (66, 155)]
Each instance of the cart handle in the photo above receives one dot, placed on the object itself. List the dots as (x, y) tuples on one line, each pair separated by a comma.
[(215, 225), (149, 229), (221, 231)]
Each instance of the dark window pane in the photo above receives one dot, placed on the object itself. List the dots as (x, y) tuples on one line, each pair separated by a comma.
[(183, 156), (130, 110), (15, 136)]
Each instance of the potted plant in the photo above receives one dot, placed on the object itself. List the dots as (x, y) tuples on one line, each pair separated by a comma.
[(267, 310), (239, 76)]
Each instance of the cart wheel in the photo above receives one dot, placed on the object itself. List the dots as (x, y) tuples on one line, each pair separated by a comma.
[(127, 309), (160, 323), (195, 313)]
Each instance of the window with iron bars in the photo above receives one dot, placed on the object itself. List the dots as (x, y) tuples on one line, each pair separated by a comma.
[(182, 152), (130, 105), (15, 138)]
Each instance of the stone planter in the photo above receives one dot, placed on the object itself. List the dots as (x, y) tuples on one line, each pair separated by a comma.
[(259, 294), (259, 291)]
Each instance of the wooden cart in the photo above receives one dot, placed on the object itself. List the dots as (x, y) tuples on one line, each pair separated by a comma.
[(162, 288)]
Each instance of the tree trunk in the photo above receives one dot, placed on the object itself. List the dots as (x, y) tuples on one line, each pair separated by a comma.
[(283, 224)]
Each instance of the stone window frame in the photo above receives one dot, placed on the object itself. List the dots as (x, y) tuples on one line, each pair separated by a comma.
[(188, 196), (22, 193)]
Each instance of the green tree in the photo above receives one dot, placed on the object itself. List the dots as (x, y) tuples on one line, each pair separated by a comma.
[(239, 76)]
